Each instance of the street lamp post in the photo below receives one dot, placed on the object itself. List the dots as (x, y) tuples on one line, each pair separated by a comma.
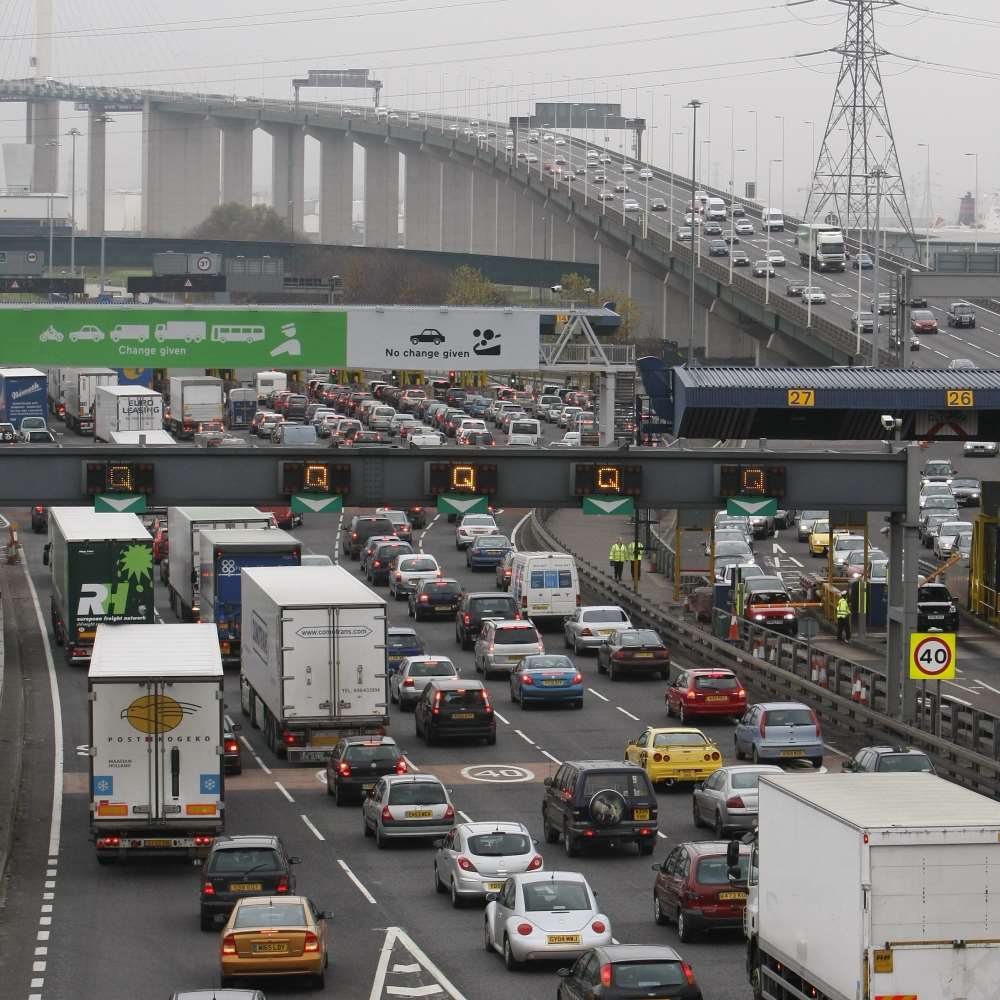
[(781, 118), (767, 253), (670, 170), (753, 111), (51, 143), (975, 206), (878, 173), (927, 202), (812, 161), (103, 120), (586, 142), (694, 104), (73, 133), (732, 187)]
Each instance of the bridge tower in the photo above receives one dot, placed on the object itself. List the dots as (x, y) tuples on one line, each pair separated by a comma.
[(849, 175), (42, 121)]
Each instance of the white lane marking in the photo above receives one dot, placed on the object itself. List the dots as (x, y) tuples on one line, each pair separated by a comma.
[(284, 791), (394, 934), (527, 739), (597, 694), (555, 760), (410, 764), (500, 717), (229, 721), (354, 878), (430, 990), (625, 711), (309, 823), (260, 763), (835, 750), (406, 968), (465, 816), (660, 833), (513, 534), (988, 687), (778, 548)]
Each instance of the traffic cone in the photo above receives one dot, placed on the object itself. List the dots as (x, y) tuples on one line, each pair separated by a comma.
[(814, 670), (734, 630), (856, 688)]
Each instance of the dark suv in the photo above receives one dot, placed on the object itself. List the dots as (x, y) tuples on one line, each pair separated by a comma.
[(363, 526), (606, 801), (377, 568), (243, 865), (438, 598), (455, 707), (358, 762), (477, 608), (888, 758), (936, 609)]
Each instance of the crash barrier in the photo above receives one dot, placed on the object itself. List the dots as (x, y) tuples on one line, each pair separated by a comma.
[(963, 742)]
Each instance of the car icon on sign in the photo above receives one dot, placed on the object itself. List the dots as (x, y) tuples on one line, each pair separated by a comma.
[(86, 333), (428, 336)]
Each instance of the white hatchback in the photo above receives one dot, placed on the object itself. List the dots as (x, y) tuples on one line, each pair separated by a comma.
[(406, 571), (471, 527)]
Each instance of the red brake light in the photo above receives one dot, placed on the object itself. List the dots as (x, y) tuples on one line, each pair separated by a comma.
[(740, 693), (466, 865), (208, 889), (535, 863), (657, 757), (577, 678), (229, 944), (598, 927), (690, 696), (605, 972), (400, 766), (524, 929), (399, 576), (291, 739), (282, 885), (715, 755), (466, 618), (311, 943), (408, 682), (386, 815), (527, 679), (449, 813), (232, 746), (424, 600), (344, 769), (586, 631), (735, 802), (688, 973)]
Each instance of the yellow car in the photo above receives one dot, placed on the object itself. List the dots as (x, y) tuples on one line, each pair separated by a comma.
[(274, 936), (819, 538), (674, 754)]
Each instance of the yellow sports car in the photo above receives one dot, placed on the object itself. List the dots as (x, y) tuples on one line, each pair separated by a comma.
[(819, 538), (674, 754)]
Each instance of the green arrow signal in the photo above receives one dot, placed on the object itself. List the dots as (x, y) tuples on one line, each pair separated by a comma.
[(608, 505), (752, 506), (316, 505), (119, 503), (457, 503)]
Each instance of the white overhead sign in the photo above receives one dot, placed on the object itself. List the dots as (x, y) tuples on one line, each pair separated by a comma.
[(434, 339)]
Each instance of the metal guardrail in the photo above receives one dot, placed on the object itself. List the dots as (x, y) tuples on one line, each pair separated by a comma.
[(963, 742)]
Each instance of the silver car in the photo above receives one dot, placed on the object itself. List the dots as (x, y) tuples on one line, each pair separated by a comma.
[(406, 571), (727, 799), (471, 526), (414, 674), (590, 627), (502, 644), (806, 520), (477, 858), (407, 807)]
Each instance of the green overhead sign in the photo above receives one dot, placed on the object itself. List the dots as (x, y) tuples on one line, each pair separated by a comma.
[(119, 503), (302, 504), (130, 336), (608, 505), (751, 506), (458, 503)]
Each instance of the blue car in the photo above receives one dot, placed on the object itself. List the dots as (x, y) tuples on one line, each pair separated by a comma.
[(487, 552), (546, 678), (779, 730), (403, 642)]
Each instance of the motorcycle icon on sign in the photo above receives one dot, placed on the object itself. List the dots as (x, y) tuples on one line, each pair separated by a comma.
[(428, 336)]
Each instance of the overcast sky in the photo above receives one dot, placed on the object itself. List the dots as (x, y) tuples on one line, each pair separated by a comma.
[(493, 55)]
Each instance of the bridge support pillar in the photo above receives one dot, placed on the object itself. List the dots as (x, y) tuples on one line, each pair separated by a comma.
[(456, 207), (561, 247), (613, 270), (381, 194), (424, 193), (177, 149), (288, 167), (43, 133), (237, 163), (96, 170), (524, 220), (485, 208), (646, 290), (584, 245), (336, 188), (506, 209)]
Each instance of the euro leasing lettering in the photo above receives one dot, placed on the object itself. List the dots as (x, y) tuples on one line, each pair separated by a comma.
[(127, 597), (259, 635)]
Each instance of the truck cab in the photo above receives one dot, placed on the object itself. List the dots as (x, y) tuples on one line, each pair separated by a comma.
[(961, 314)]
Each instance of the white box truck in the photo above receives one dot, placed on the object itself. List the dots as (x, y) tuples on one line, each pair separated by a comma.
[(268, 382), (126, 408), (715, 210), (185, 525), (148, 438), (823, 245), (772, 220), (313, 659), (80, 395), (156, 714), (867, 886), (194, 400)]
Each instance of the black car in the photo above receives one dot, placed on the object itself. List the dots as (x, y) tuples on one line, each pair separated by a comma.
[(718, 248), (794, 290), (599, 801), (626, 971), (243, 865), (358, 762), (476, 608), (453, 707), (888, 759), (968, 492), (40, 519), (417, 513), (232, 752), (740, 259), (762, 269), (637, 650), (434, 599), (377, 569), (362, 527), (936, 609)]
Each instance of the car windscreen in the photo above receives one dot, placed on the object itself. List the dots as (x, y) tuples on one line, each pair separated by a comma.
[(392, 549), (284, 913), (449, 587), (965, 484), (243, 860), (420, 564), (362, 754), (679, 740), (413, 793), (640, 637), (464, 698), (940, 503), (821, 527), (491, 542), (629, 783), (515, 636), (715, 871), (936, 490), (405, 641), (498, 845), (431, 668), (934, 593), (732, 549), (789, 717), (903, 762), (710, 682), (494, 606), (554, 661), (478, 521), (649, 975), (605, 615), (555, 895), (396, 516), (843, 544), (768, 597)]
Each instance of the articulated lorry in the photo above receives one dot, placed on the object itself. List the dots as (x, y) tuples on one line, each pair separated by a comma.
[(185, 525), (868, 886), (225, 553), (126, 408), (823, 245), (101, 567), (23, 393), (194, 400), (313, 665), (80, 395), (241, 405), (156, 725)]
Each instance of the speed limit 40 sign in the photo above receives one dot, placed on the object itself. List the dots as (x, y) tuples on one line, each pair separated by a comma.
[(932, 656)]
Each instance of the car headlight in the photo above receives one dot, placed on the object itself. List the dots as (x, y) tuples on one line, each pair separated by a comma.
[(952, 609), (758, 618), (790, 617)]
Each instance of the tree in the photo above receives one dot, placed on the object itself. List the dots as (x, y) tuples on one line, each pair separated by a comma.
[(469, 287), (387, 278), (234, 221), (576, 288)]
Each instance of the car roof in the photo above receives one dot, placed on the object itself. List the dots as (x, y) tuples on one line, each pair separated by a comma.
[(241, 840), (500, 826), (757, 768), (270, 900), (677, 730), (456, 684), (603, 607), (401, 630), (703, 847), (768, 705), (481, 594), (710, 671), (886, 749), (637, 953), (412, 779), (603, 765), (550, 875), (512, 623), (354, 741)]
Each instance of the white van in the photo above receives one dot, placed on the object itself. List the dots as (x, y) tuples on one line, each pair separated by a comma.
[(524, 431), (545, 584), (772, 220), (715, 210)]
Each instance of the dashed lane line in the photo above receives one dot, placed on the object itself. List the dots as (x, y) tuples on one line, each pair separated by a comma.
[(625, 711), (309, 823), (357, 882), (500, 717), (597, 694), (465, 816), (253, 753), (555, 760), (284, 791), (527, 739)]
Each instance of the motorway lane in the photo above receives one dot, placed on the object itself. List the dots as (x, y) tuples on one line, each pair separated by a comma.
[(980, 344)]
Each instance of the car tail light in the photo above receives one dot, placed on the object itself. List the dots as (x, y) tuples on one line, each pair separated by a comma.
[(376, 564), (527, 679), (408, 682), (524, 929), (400, 766), (690, 696), (311, 942), (399, 576), (535, 863), (815, 719), (586, 631), (386, 815), (231, 746), (425, 600), (437, 704), (657, 757), (740, 693), (517, 614), (449, 813), (344, 769), (763, 727), (109, 841), (735, 802), (229, 944), (291, 739), (200, 840), (208, 889), (620, 655), (466, 619), (688, 973), (715, 755), (598, 927), (606, 974), (666, 758), (577, 678), (282, 884), (354, 534), (466, 865)]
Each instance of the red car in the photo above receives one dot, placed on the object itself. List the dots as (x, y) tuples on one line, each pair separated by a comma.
[(161, 544), (283, 516), (281, 400), (706, 691), (693, 890)]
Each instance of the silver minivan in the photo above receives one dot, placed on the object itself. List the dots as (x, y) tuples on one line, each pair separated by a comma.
[(503, 644)]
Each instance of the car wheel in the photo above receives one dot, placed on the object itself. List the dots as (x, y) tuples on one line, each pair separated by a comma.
[(681, 714), (645, 847), (319, 980), (600, 665), (571, 845), (380, 842), (491, 740), (684, 930), (695, 815), (578, 704), (659, 916), (754, 756), (612, 673), (566, 641), (720, 827), (817, 762), (576, 647), (511, 963), (207, 922), (365, 826), (671, 711), (456, 899), (329, 785), (439, 886), (550, 833), (740, 755)]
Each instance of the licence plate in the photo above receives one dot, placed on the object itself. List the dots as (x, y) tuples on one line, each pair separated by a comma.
[(464, 715), (539, 607), (644, 655), (732, 895), (792, 753), (368, 788), (494, 886), (269, 948), (552, 683), (159, 843), (935, 618), (245, 886), (562, 939), (419, 813), (325, 741), (640, 814), (443, 607), (716, 697)]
